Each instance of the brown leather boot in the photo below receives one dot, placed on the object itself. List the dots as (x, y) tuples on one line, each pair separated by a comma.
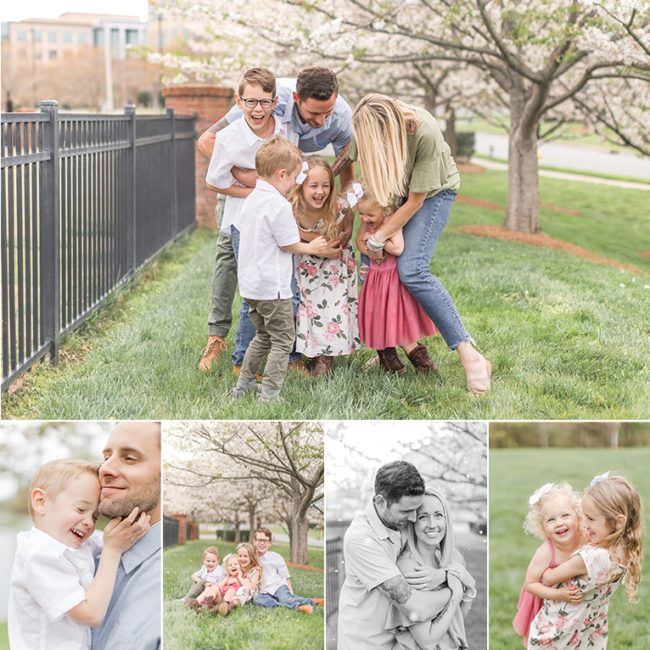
[(390, 361), (322, 365), (216, 345), (421, 360)]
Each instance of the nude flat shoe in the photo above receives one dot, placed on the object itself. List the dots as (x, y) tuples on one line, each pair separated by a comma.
[(480, 384)]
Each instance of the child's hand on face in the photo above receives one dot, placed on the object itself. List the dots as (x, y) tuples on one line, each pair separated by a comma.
[(120, 534), (570, 594), (317, 246)]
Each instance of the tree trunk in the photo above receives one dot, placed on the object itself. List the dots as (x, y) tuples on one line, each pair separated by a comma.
[(299, 534), (450, 132), (522, 211)]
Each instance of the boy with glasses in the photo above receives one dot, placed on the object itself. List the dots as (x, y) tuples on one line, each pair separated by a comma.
[(276, 589)]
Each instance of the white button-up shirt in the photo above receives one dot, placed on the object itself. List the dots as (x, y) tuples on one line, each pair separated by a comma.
[(266, 222), (236, 146), (274, 572), (48, 579), (370, 551), (213, 577)]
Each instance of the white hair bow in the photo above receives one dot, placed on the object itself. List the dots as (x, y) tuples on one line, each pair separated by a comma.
[(539, 493), (300, 179), (355, 195), (598, 479)]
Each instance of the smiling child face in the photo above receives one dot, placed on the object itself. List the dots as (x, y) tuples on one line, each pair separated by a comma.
[(210, 560), (71, 515), (257, 118), (560, 520), (243, 557), (595, 523), (371, 214), (316, 188), (232, 566)]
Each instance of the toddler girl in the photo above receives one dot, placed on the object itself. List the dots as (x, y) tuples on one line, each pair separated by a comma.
[(327, 323), (611, 509), (388, 313), (554, 516)]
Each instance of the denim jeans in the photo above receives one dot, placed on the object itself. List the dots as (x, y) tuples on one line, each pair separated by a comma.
[(282, 598), (245, 328), (421, 234)]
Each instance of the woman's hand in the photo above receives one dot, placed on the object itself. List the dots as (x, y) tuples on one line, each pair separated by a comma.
[(458, 570), (426, 578)]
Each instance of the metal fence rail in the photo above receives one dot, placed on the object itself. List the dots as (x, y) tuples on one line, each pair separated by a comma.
[(87, 200)]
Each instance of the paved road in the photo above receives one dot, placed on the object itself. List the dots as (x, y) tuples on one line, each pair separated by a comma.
[(571, 156)]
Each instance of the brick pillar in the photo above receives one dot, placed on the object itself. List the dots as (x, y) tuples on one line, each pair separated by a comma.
[(210, 103), (182, 528)]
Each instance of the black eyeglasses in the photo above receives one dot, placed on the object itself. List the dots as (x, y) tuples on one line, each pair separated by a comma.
[(252, 103)]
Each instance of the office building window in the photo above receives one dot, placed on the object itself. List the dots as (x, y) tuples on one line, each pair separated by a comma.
[(52, 37), (21, 35), (82, 38), (37, 35)]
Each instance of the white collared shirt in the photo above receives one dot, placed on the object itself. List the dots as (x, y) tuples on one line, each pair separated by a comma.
[(266, 222), (370, 550), (49, 578), (274, 572), (236, 146), (213, 577)]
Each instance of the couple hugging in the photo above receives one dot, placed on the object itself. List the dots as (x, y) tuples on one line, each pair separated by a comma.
[(591, 545), (252, 574), (73, 587), (404, 201), (406, 585)]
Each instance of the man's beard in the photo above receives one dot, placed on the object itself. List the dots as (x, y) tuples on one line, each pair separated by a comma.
[(146, 499)]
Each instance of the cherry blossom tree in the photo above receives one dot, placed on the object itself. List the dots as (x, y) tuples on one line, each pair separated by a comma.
[(263, 464), (547, 61)]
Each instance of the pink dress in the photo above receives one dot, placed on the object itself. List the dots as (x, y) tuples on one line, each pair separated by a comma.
[(388, 314), (529, 605)]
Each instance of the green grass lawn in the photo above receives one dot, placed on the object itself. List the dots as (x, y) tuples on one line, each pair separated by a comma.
[(566, 339), (246, 628), (514, 475)]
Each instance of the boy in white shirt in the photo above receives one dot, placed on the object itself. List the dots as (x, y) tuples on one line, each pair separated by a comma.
[(269, 236), (55, 594), (210, 573), (235, 147)]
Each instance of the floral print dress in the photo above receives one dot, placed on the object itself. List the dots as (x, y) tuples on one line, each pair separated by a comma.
[(327, 322), (561, 625)]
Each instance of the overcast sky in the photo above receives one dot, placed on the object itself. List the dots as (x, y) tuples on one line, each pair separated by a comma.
[(12, 11)]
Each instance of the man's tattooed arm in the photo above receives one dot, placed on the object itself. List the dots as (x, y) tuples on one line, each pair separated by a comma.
[(342, 162), (205, 142), (396, 589)]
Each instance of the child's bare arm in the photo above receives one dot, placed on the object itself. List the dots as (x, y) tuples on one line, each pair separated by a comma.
[(574, 566), (233, 190), (119, 535), (314, 247)]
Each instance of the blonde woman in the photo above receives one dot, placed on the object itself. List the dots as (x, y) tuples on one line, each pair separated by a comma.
[(405, 160)]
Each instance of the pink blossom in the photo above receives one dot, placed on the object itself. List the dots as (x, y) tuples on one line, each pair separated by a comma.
[(312, 270), (352, 264), (303, 264), (334, 280), (560, 622), (575, 639), (333, 328)]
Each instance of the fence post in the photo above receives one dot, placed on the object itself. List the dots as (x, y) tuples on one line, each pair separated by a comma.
[(131, 230), (172, 124), (49, 241)]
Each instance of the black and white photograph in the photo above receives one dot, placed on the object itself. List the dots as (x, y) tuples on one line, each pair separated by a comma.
[(406, 535)]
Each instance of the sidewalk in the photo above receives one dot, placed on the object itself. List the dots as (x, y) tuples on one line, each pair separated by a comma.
[(489, 164)]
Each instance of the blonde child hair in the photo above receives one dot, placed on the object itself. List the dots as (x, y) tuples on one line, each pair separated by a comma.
[(53, 477), (229, 556), (277, 153), (212, 549), (614, 496), (533, 524), (252, 554), (381, 127), (369, 196), (329, 210)]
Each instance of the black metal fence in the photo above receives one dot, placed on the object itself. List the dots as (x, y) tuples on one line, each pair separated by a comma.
[(87, 200), (170, 531)]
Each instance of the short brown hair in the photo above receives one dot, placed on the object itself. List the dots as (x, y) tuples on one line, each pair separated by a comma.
[(212, 549), (277, 153), (316, 82), (53, 477), (264, 531), (258, 77)]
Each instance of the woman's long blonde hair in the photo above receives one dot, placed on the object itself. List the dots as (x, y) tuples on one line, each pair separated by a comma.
[(381, 128), (297, 199), (612, 497)]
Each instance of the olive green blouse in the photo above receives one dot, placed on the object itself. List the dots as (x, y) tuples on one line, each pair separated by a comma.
[(429, 166)]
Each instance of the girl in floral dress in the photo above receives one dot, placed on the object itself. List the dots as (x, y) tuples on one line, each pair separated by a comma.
[(613, 555), (388, 314), (326, 323), (554, 516)]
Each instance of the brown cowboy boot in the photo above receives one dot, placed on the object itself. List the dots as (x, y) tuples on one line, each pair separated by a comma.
[(421, 360), (216, 345), (390, 361), (322, 365)]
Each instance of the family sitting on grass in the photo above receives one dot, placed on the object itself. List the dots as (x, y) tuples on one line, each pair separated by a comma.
[(253, 574), (285, 234)]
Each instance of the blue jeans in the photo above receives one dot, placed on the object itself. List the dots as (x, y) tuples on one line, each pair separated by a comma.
[(282, 598), (421, 234), (245, 329)]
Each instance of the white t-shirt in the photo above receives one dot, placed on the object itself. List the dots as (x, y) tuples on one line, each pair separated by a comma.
[(274, 572), (266, 222), (49, 578), (236, 146), (214, 577)]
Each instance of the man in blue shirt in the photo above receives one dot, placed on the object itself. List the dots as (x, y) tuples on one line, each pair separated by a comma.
[(320, 116), (130, 476)]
